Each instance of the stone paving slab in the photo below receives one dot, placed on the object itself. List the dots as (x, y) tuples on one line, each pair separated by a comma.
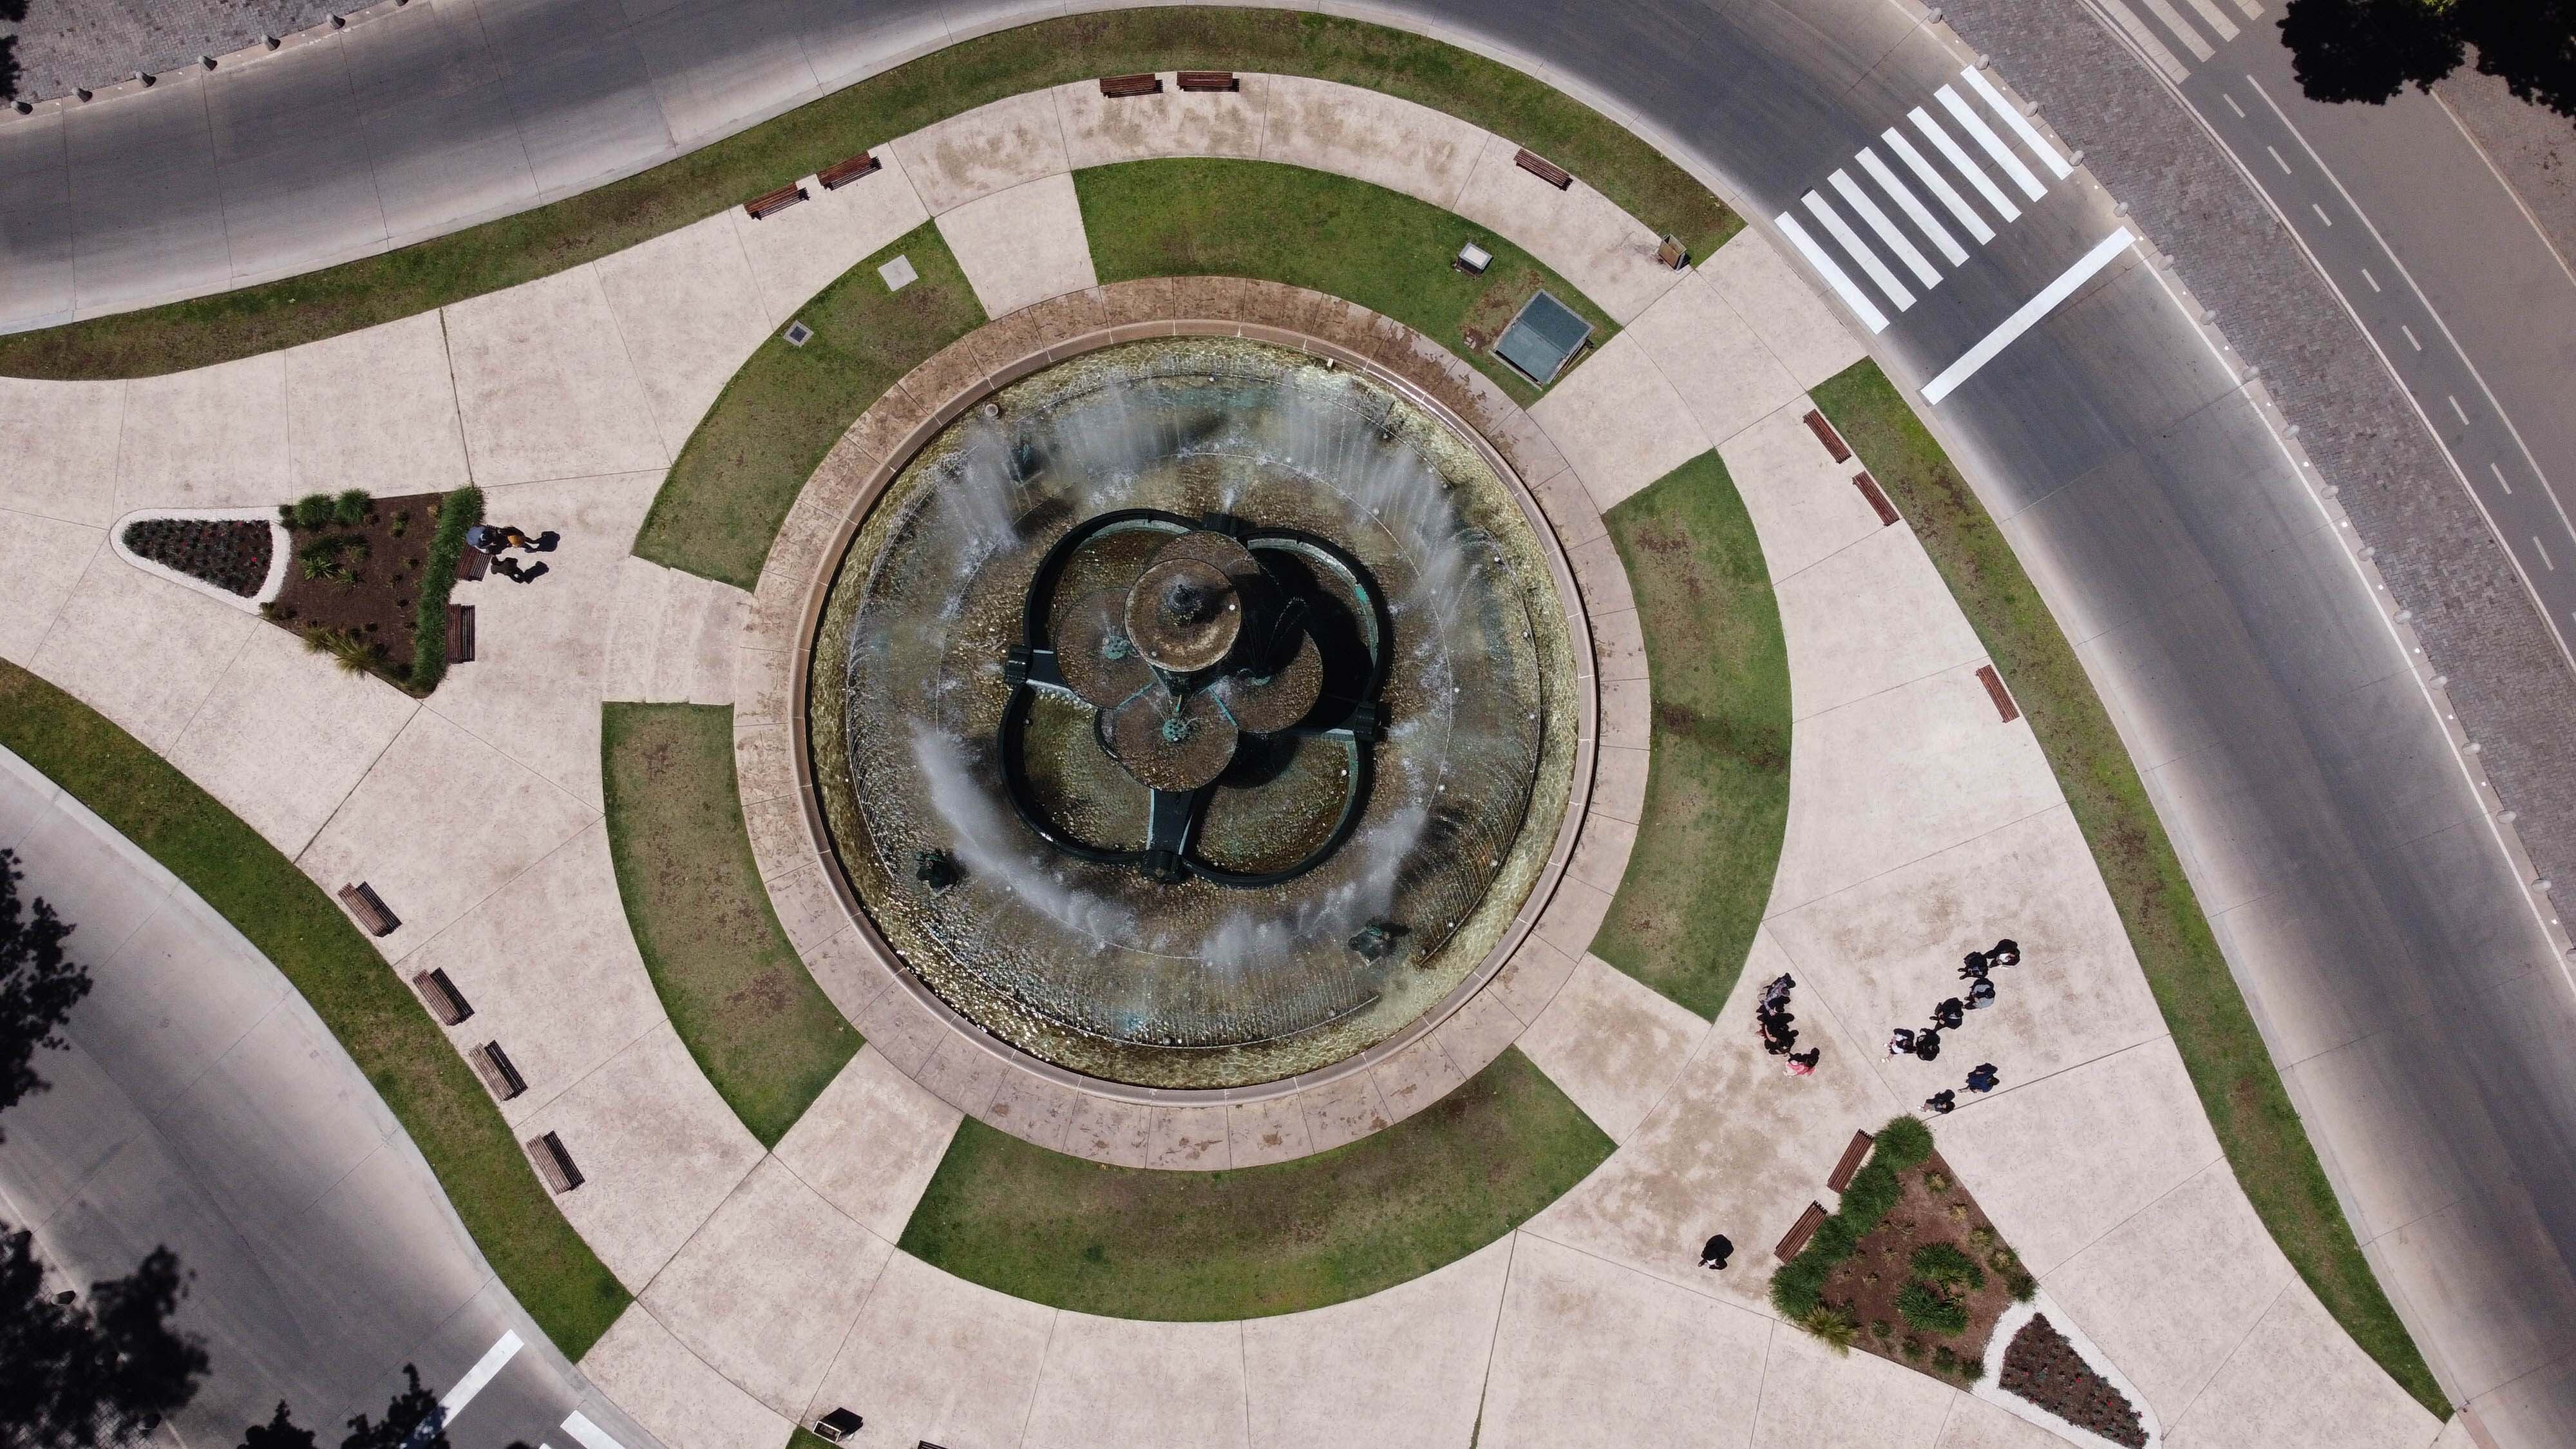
[(1790, 318), (41, 562), (1871, 617), (282, 737), (1121, 1384), (1726, 375), (1613, 1043), (2296, 1382), (870, 1143), (1975, 1424), (936, 1359), (211, 438), (545, 386), (1377, 138), (673, 1393), (768, 1287), (1803, 504), (659, 1148), (373, 409), (690, 313), (1022, 245), (1620, 423), (63, 438), (697, 631), (1813, 1398), (799, 251), (1407, 1365), (92, 650), (988, 149), (1592, 1355), (1578, 232), (1103, 130)]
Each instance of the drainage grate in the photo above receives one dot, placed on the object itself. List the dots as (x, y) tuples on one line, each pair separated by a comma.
[(898, 274), (1541, 340), (798, 334)]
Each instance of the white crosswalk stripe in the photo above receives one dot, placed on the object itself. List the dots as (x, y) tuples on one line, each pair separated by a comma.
[(1858, 250), (2216, 19), (1894, 240), (1912, 206), (1835, 277), (1938, 184), (1984, 135), (2163, 10), (1976, 174), (2020, 124), (2177, 27)]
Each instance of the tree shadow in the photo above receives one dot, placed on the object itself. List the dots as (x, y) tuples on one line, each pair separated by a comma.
[(2369, 50)]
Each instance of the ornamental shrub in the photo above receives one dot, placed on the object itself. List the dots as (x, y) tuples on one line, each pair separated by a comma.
[(350, 508), (1798, 1287), (1872, 1193), (1944, 1267), (1903, 1142), (1834, 1240), (1832, 1325), (1929, 1311), (457, 512), (314, 510), (2019, 1283)]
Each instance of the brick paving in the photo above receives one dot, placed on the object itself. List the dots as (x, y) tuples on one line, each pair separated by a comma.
[(63, 44), (2535, 148), (2508, 682)]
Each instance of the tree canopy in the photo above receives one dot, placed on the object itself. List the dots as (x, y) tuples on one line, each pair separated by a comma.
[(2369, 50), (82, 1375), (38, 986)]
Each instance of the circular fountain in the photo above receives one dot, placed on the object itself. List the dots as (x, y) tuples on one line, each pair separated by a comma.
[(1195, 713)]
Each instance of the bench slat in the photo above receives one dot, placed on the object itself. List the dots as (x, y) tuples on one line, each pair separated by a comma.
[(460, 633), (1995, 691), (1826, 435), (441, 997), (1801, 1231), (472, 564), (1544, 169), (1146, 84), (553, 1163), (369, 908), (1877, 497), (771, 203), (1210, 80), (842, 173), (1853, 1153)]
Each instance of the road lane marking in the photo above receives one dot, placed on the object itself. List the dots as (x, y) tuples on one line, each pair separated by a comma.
[(1862, 307), (1906, 251), (486, 1368), (1858, 250), (1938, 184), (2029, 315), (2456, 408), (2020, 124), (2498, 470), (2231, 105), (1976, 174), (2200, 49), (2253, 8), (2544, 554), (2277, 161), (1993, 145), (590, 1435), (2321, 213), (1912, 206), (2410, 336), (2367, 277), (2216, 18), (2164, 59)]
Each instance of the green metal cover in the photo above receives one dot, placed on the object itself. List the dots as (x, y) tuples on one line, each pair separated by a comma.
[(1542, 337)]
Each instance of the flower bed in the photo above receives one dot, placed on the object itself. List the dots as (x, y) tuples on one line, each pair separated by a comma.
[(2041, 1366), (233, 554), (369, 579)]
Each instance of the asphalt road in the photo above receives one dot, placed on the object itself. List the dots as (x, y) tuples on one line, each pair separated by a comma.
[(203, 1105), (2387, 943)]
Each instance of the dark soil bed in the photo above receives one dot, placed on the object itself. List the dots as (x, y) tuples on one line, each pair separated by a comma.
[(1970, 1290), (362, 584), (232, 554), (2041, 1366)]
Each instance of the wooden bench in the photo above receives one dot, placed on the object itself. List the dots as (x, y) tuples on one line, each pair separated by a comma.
[(1853, 1153), (1210, 80), (1673, 254), (460, 633), (1995, 691), (1801, 1231), (842, 173), (771, 203), (472, 564), (369, 908), (1877, 497), (1147, 84), (838, 1425), (553, 1163), (1544, 169), (441, 997), (493, 1065), (1826, 435)]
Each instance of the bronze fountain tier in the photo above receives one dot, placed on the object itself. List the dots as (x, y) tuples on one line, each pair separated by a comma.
[(1229, 637)]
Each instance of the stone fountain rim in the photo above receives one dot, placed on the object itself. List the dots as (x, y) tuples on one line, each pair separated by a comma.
[(1028, 361)]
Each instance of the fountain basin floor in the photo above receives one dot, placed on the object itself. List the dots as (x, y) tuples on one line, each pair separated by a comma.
[(989, 809)]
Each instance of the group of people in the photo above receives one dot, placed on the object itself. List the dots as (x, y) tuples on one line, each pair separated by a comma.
[(498, 538), (1977, 969), (1771, 1022)]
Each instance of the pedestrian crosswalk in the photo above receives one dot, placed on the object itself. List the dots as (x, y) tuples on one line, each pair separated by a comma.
[(2179, 29), (1852, 250)]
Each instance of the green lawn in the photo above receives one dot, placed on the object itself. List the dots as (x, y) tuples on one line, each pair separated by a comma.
[(723, 502), (1717, 795), (430, 1089), (1132, 1243), (610, 218), (1363, 243), (2234, 1075), (766, 1036)]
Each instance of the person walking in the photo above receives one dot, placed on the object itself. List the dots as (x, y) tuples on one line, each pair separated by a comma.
[(1948, 1014), (1927, 1045), (1718, 1249), (2006, 952), (1941, 1101), (1803, 1064), (1981, 994), (1973, 966), (1775, 994), (1982, 1077), (1900, 1042)]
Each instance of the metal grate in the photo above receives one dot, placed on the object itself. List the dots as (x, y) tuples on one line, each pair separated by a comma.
[(798, 334), (1543, 338)]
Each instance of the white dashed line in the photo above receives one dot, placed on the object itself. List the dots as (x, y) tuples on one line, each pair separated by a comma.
[(1835, 277), (2544, 554), (2277, 161), (2367, 277), (1993, 145), (486, 1368), (2020, 124), (1905, 250), (2498, 470), (2029, 315), (1938, 184), (2321, 213), (2231, 105), (2458, 411), (1858, 250), (2410, 336), (1976, 174), (1912, 206)]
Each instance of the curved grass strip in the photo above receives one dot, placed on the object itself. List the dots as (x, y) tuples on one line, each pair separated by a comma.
[(727, 495), (1717, 786), (548, 239), (2239, 1088), (1202, 1246), (431, 1091), (739, 996), (1351, 239)]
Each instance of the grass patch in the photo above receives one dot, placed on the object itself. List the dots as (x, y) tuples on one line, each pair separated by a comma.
[(724, 499), (430, 1089), (1717, 787), (548, 239), (1363, 243), (739, 996), (457, 512), (2239, 1088), (1201, 1246)]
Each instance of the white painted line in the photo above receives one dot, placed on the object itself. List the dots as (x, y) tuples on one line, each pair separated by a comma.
[(2410, 336), (1975, 125), (1905, 250), (2321, 213), (2461, 412), (1913, 206), (2145, 39), (2367, 277), (2277, 161), (1832, 221), (2231, 105), (590, 1435), (2216, 19), (1867, 311), (2544, 554), (1976, 174), (2029, 315), (2498, 470), (2253, 8), (1938, 184), (2200, 49), (2020, 124), (486, 1368)]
